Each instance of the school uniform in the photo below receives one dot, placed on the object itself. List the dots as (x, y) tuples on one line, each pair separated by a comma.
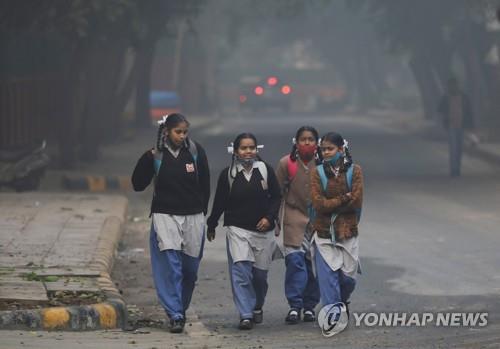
[(244, 203), (335, 246), (301, 287), (180, 200)]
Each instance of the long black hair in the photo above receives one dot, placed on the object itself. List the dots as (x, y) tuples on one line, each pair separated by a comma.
[(294, 152), (236, 145), (172, 121), (339, 141)]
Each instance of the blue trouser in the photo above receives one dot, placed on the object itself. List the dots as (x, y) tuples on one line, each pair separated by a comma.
[(334, 286), (301, 287), (175, 274), (456, 140), (249, 286)]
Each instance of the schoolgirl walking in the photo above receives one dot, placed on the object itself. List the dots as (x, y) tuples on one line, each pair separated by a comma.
[(248, 194), (179, 168), (337, 197), (293, 173)]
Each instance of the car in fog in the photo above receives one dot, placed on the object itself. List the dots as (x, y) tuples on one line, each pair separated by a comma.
[(163, 103), (257, 93)]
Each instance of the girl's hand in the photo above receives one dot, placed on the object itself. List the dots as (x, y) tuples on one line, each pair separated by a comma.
[(211, 234), (263, 225)]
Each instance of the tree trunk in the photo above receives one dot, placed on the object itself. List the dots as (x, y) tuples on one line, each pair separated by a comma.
[(145, 55), (69, 110), (125, 90), (114, 70), (102, 79), (427, 86)]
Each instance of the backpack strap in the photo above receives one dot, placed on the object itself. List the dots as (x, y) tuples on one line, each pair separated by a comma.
[(263, 170), (193, 150), (158, 156), (292, 168), (322, 176), (349, 175), (231, 175)]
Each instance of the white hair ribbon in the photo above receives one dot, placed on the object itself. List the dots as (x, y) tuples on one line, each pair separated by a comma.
[(163, 120)]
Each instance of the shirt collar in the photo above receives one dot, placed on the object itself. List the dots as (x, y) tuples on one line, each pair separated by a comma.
[(239, 167)]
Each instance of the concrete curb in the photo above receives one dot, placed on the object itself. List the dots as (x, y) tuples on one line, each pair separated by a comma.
[(96, 184), (106, 315)]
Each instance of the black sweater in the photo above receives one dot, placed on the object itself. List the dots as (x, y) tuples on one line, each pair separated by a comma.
[(178, 190), (248, 201)]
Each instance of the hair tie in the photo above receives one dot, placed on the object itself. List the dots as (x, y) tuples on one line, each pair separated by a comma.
[(346, 143), (163, 120)]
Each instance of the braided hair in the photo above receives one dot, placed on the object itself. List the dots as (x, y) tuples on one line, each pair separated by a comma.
[(294, 152), (236, 145), (339, 141), (169, 122)]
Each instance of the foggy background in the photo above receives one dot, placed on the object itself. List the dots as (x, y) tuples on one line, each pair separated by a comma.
[(88, 67), (83, 74)]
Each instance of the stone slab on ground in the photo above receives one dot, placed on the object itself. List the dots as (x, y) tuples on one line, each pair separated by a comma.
[(58, 249), (17, 289)]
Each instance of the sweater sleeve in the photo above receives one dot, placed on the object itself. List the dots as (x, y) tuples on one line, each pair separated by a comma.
[(357, 189), (275, 195), (143, 172), (319, 201), (220, 200), (204, 176)]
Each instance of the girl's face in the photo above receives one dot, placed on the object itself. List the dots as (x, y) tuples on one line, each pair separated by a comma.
[(306, 138), (247, 149), (177, 135), (328, 149)]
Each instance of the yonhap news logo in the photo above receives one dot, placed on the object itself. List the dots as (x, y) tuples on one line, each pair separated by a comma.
[(334, 318), (402, 319)]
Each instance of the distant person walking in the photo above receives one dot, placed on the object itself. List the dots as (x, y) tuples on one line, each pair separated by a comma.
[(248, 194), (293, 172), (180, 171), (456, 112)]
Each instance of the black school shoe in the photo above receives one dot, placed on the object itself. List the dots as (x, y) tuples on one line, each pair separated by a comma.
[(258, 316), (293, 317), (177, 325), (309, 315), (245, 324)]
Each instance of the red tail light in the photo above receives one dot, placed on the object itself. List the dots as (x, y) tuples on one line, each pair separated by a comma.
[(243, 99), (286, 89), (259, 90), (272, 80)]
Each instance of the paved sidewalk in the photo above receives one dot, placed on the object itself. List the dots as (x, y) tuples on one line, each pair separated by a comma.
[(56, 254)]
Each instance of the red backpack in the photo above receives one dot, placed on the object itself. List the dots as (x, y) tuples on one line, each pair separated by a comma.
[(292, 167)]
